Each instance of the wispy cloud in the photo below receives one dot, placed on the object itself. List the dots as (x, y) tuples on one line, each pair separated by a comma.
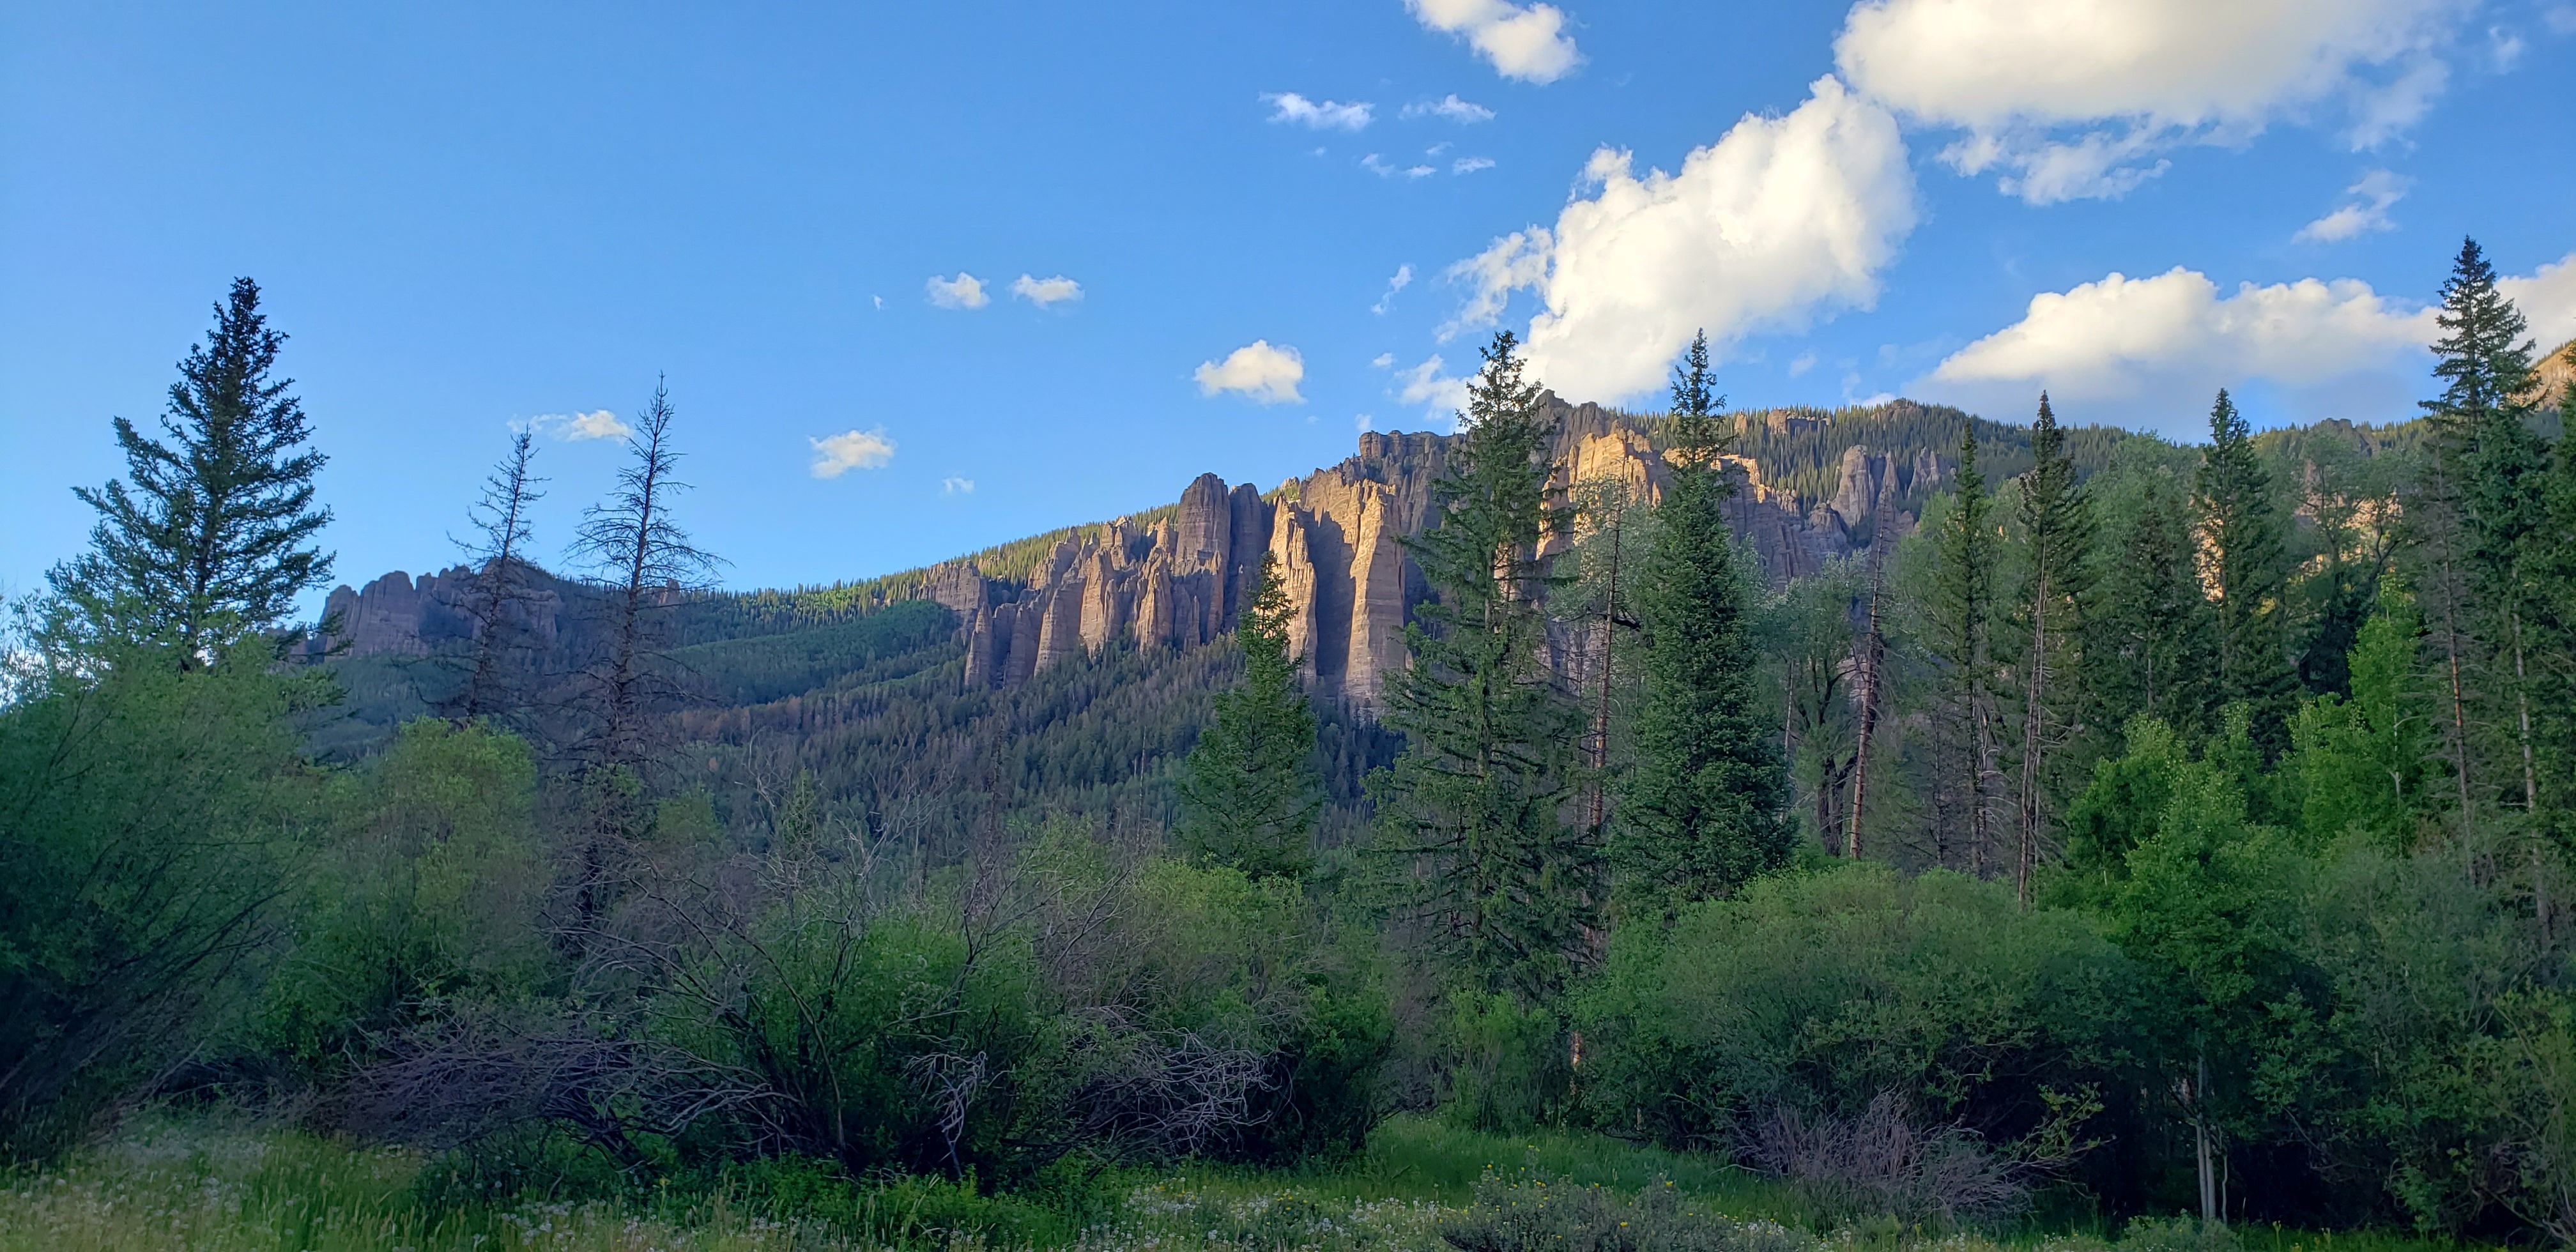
[(1046, 292), (2366, 213), (955, 486), (1403, 279), (962, 292), (575, 427), (1449, 108), (835, 455), (1288, 106), (1379, 166), (1469, 165)]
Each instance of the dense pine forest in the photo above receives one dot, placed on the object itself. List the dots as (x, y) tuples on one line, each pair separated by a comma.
[(2132, 843)]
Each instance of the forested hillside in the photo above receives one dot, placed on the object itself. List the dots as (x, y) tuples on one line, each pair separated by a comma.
[(1932, 823)]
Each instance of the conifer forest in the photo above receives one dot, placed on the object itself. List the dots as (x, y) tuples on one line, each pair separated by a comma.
[(2121, 842)]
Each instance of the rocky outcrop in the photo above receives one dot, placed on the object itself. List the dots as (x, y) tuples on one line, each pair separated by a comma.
[(1179, 577), (395, 616)]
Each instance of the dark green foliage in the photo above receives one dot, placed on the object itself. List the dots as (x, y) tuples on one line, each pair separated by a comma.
[(2153, 647), (1471, 816), (1249, 793), (431, 886), (2055, 596), (149, 822), (1815, 996), (853, 652), (2243, 566), (1701, 814), (1958, 632), (211, 543)]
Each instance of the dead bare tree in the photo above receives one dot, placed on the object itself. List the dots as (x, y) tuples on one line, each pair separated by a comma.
[(500, 591)]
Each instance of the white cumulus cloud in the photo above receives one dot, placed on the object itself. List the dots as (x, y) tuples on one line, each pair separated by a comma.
[(2364, 212), (2068, 97), (1288, 106), (2547, 299), (2152, 351), (576, 426), (1527, 42), (1777, 221), (835, 455), (955, 486), (1046, 292), (962, 292), (1449, 108), (1264, 373)]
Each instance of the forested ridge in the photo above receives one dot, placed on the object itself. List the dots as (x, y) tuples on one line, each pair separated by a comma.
[(2135, 829)]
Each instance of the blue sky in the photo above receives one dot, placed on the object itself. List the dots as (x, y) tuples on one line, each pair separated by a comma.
[(473, 215)]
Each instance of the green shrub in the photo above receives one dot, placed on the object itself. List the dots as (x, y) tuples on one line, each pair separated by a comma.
[(1823, 995), (148, 822)]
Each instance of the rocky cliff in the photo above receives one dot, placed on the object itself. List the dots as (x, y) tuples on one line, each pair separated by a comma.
[(1180, 580)]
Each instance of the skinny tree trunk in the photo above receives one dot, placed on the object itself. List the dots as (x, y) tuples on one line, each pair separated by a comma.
[(2032, 743), (1872, 658), (1601, 713), (2209, 1215)]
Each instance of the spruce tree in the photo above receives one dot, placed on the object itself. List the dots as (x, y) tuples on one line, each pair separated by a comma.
[(2241, 532), (2153, 650), (1702, 809), (1960, 638), (1249, 790), (1474, 811), (2553, 642), (2494, 466), (211, 542), (2057, 537)]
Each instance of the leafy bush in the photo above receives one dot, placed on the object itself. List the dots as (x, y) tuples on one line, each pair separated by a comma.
[(1824, 994), (147, 821), (431, 888)]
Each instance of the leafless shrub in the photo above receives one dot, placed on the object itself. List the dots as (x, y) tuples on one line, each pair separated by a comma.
[(480, 1073), (1882, 1162)]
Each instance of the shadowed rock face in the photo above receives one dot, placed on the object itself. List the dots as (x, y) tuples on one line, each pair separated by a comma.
[(1182, 581)]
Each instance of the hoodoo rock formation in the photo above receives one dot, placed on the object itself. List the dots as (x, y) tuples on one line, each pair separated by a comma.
[(1179, 577)]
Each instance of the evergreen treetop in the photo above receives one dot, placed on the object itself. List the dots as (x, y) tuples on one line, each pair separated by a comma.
[(1703, 808), (1249, 790), (1473, 813), (211, 541), (2243, 565)]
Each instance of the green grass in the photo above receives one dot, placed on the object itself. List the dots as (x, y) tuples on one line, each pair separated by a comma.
[(224, 1184)]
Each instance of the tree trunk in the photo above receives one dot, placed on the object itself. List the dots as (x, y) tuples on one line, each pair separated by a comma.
[(2031, 746), (2209, 1215)]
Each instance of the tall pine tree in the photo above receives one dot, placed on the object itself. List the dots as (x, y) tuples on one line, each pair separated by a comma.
[(2057, 537), (1249, 791), (2494, 465), (1474, 811), (1702, 809), (2242, 533), (2153, 650), (1961, 639), (212, 541)]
